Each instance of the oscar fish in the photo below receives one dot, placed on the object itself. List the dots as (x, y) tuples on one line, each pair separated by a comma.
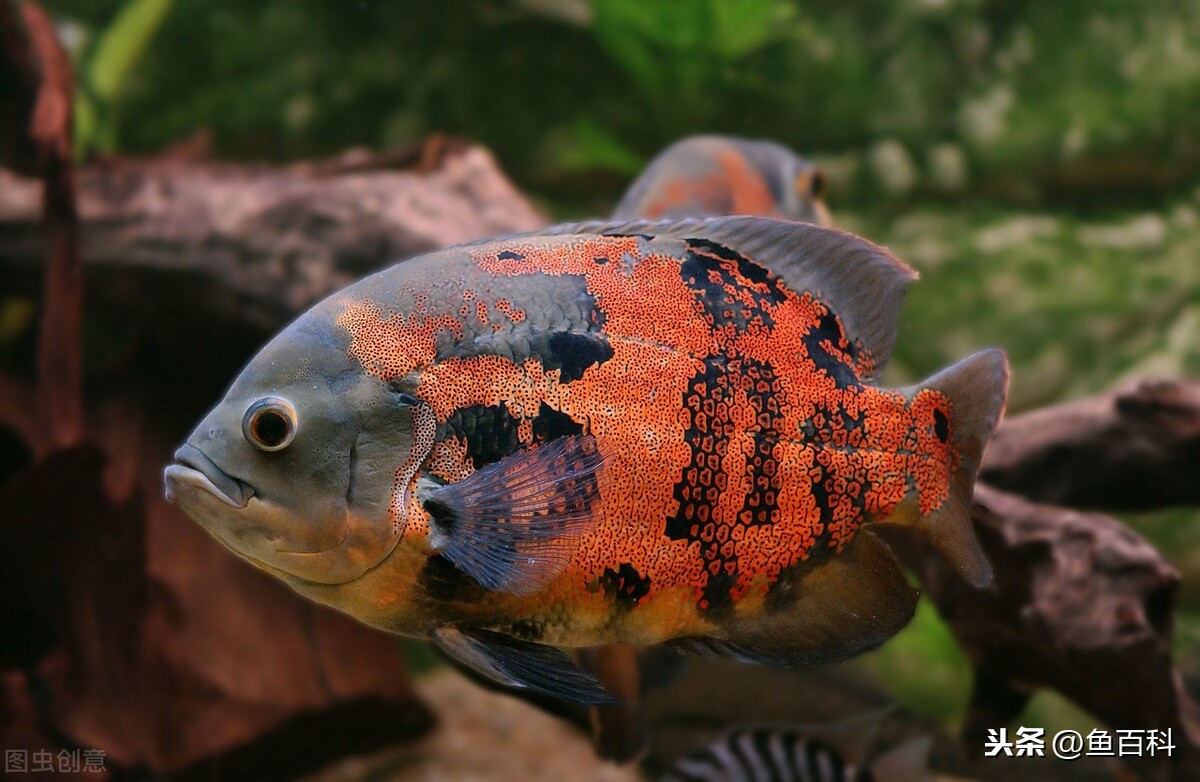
[(709, 176), (605, 433)]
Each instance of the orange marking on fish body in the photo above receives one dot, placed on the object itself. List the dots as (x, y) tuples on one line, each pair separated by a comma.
[(751, 195), (392, 345), (709, 190), (449, 460), (736, 187), (424, 431), (515, 314), (456, 382)]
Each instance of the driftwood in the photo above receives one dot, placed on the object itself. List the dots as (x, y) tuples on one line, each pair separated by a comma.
[(1082, 605), (254, 244), (35, 136), (1135, 448)]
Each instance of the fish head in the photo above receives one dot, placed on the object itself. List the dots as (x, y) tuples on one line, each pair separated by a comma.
[(797, 185), (296, 468)]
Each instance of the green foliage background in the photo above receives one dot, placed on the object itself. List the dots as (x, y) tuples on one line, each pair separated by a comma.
[(1037, 161)]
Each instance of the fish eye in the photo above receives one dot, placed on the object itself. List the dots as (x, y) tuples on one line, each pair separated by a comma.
[(811, 184), (817, 188), (270, 424)]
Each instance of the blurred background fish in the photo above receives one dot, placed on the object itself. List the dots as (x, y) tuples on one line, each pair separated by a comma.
[(722, 175)]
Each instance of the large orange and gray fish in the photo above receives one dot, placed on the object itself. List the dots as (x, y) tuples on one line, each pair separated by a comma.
[(604, 433), (789, 754), (721, 175)]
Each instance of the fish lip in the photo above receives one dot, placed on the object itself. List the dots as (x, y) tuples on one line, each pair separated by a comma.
[(216, 481)]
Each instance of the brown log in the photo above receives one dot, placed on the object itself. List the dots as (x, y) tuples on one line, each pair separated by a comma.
[(1134, 448), (1082, 605), (36, 137), (254, 244), (20, 79)]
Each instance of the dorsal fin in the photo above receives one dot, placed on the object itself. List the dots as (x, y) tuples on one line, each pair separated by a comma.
[(861, 282)]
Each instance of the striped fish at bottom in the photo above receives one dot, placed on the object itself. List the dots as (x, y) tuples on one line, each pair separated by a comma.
[(784, 754)]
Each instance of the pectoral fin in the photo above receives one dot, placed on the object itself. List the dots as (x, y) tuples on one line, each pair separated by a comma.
[(846, 605), (514, 525), (520, 664)]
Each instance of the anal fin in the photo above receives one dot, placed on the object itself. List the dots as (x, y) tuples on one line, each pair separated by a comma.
[(520, 664), (849, 604)]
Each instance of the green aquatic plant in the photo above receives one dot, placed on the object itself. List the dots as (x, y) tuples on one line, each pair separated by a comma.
[(104, 71)]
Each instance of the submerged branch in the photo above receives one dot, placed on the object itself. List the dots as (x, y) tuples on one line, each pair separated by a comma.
[(1082, 605), (1134, 448), (253, 244)]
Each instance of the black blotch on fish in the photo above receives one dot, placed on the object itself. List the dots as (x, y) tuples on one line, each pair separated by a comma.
[(848, 422), (625, 586), (699, 485), (762, 501), (571, 352), (509, 255), (718, 594), (828, 328), (489, 432), (941, 425), (754, 272), (691, 490), (644, 237), (550, 424), (698, 270)]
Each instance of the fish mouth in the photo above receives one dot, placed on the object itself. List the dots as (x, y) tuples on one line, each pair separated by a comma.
[(194, 464)]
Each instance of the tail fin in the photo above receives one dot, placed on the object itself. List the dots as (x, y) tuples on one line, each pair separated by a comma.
[(976, 387)]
